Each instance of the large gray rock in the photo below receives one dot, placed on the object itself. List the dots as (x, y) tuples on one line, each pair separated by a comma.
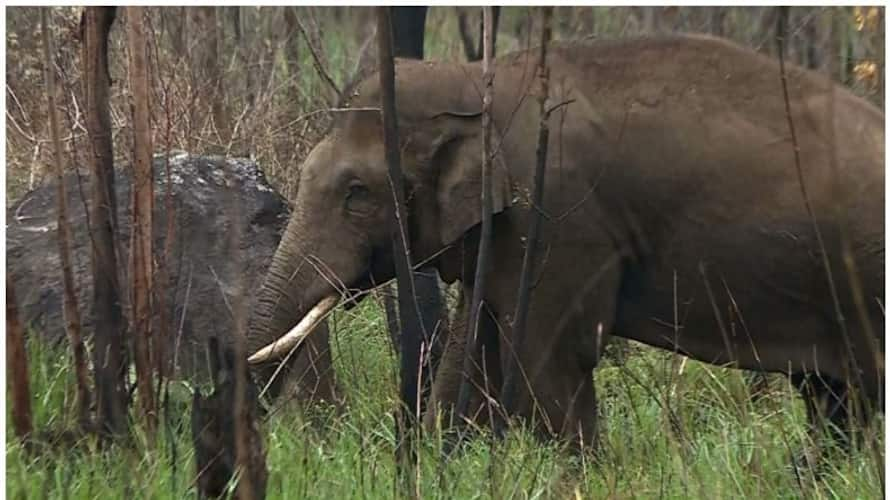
[(203, 272)]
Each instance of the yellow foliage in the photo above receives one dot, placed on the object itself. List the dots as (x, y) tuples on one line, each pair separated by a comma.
[(866, 72), (866, 18)]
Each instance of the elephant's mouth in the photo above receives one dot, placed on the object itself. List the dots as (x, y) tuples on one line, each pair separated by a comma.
[(378, 271)]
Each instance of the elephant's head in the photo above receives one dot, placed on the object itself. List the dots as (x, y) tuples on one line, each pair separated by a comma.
[(338, 240)]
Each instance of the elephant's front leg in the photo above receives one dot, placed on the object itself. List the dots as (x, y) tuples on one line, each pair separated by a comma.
[(569, 319)]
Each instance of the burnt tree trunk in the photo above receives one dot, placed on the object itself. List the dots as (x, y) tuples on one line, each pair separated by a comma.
[(17, 368), (109, 359), (71, 309), (406, 415), (143, 201), (407, 31), (408, 36)]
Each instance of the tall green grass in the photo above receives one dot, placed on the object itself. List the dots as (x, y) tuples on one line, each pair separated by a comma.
[(722, 443)]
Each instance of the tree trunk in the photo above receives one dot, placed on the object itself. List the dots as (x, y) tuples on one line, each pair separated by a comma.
[(109, 360), (408, 309), (17, 368), (143, 201), (408, 35), (407, 31), (70, 306)]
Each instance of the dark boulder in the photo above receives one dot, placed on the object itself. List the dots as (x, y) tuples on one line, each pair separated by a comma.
[(204, 277)]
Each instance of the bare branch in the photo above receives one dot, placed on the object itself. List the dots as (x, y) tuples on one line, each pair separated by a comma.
[(316, 59)]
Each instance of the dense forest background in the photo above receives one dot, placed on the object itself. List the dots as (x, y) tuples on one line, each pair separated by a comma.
[(251, 81)]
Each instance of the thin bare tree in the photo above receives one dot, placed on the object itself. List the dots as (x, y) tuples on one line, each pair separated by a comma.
[(142, 207), (472, 341), (17, 368), (109, 360), (408, 36), (529, 259), (71, 310)]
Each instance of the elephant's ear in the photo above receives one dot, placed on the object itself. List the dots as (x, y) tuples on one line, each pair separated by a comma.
[(457, 159)]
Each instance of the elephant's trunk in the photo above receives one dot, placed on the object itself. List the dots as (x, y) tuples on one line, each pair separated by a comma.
[(289, 290)]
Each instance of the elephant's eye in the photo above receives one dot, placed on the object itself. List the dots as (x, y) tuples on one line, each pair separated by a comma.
[(358, 199)]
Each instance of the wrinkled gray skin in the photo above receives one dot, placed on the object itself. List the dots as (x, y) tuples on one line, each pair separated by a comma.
[(673, 216)]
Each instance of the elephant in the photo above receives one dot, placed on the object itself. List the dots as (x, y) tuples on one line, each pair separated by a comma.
[(680, 210)]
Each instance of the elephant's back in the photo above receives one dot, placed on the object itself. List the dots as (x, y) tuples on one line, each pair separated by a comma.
[(712, 73), (689, 134), (702, 115)]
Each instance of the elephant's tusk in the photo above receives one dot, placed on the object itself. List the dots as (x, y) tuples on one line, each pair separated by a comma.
[(297, 334)]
